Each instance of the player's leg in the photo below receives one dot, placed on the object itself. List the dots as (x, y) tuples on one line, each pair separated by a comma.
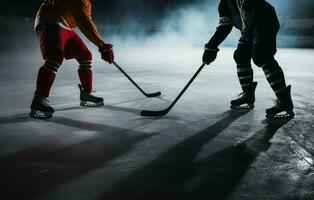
[(76, 48), (242, 57), (264, 49), (50, 38)]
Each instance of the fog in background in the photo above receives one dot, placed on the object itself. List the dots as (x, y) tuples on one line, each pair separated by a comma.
[(157, 23)]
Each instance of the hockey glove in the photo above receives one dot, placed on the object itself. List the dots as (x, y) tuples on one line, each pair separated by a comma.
[(210, 55), (106, 52)]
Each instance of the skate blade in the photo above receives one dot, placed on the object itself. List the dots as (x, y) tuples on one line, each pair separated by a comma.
[(282, 115), (242, 107), (91, 104), (40, 114)]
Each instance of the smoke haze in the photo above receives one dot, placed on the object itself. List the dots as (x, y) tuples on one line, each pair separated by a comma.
[(158, 23), (188, 25)]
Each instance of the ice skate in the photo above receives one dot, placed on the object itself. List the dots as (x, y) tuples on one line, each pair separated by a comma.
[(283, 107), (246, 99), (40, 108), (89, 100)]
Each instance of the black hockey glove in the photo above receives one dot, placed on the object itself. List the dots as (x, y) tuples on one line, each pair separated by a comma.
[(210, 55)]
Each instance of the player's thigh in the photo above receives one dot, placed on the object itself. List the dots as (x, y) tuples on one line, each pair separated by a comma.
[(52, 40), (77, 49), (264, 46), (243, 53)]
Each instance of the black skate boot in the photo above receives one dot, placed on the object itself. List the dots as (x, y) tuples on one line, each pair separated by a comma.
[(40, 108), (89, 100), (283, 107), (246, 99)]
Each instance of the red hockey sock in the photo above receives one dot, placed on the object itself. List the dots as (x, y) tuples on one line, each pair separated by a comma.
[(86, 78), (45, 79)]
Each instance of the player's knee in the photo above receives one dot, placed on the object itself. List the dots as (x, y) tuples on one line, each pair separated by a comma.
[(55, 55), (263, 52), (89, 55), (53, 61), (241, 57), (260, 58), (85, 55), (270, 65), (59, 59), (52, 64), (264, 61), (258, 61)]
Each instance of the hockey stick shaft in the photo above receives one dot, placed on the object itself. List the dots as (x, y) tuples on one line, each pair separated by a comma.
[(130, 79), (187, 86), (163, 112)]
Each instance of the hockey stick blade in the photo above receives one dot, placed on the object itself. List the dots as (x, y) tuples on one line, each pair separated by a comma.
[(149, 95), (147, 113), (156, 94)]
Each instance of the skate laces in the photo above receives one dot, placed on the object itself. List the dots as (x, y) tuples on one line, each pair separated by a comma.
[(90, 94), (241, 94), (45, 101), (277, 103)]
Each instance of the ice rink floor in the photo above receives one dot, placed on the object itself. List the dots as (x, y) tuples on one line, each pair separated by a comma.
[(195, 152)]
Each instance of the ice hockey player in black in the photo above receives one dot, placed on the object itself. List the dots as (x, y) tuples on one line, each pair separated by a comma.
[(258, 23)]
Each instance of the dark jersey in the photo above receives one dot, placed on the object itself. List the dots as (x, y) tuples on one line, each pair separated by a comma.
[(243, 14), (229, 14)]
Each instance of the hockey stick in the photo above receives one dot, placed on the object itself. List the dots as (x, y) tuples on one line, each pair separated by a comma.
[(164, 112), (138, 87)]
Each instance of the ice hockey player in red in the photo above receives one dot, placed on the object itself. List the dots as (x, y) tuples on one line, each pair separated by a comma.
[(258, 23), (54, 24)]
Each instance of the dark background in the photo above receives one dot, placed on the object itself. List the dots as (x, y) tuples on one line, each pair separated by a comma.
[(148, 8), (141, 18), (139, 9)]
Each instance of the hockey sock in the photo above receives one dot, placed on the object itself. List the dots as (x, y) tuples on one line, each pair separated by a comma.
[(275, 78), (86, 75), (245, 75), (45, 78)]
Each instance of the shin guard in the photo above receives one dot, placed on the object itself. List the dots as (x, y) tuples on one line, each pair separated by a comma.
[(45, 79), (86, 78)]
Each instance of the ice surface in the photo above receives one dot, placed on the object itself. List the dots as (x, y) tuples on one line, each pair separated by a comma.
[(200, 150)]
